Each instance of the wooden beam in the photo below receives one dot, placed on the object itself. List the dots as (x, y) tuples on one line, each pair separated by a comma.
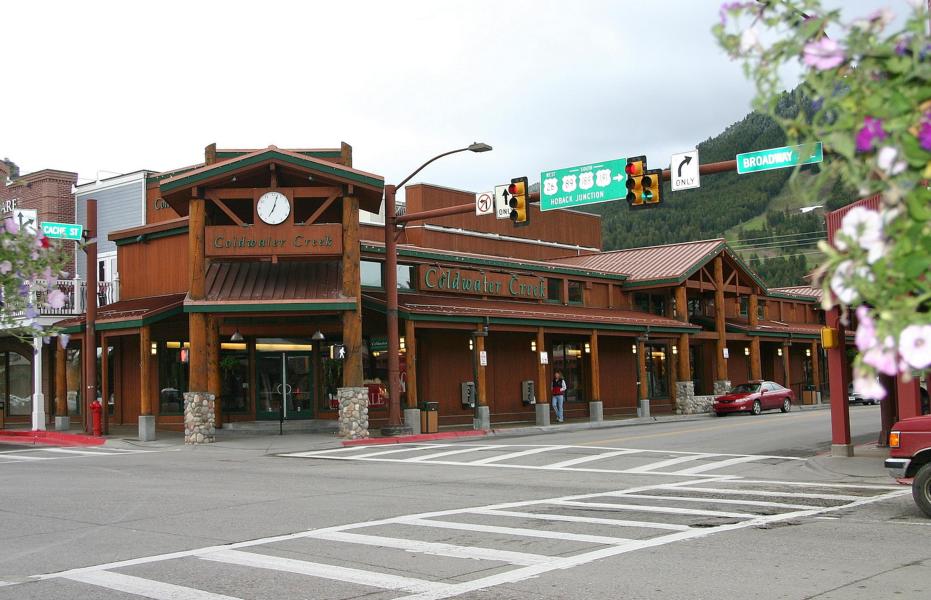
[(351, 288), (229, 213), (685, 371), (596, 367), (61, 379), (642, 369), (543, 383), (197, 262), (214, 381), (145, 371), (753, 307), (274, 175), (719, 322), (197, 356), (318, 191), (326, 204), (756, 371), (104, 385), (410, 341), (816, 365), (786, 368), (481, 386), (682, 304)]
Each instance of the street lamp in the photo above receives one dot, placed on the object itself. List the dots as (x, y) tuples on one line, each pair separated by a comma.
[(395, 426)]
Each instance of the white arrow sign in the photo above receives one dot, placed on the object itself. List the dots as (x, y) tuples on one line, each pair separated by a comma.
[(683, 171), (502, 208), (484, 203)]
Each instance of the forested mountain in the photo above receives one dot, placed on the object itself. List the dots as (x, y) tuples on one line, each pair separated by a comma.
[(756, 212)]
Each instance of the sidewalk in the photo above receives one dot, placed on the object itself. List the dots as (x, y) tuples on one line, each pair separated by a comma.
[(866, 463)]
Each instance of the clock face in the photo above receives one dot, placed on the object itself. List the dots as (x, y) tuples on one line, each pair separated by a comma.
[(273, 207)]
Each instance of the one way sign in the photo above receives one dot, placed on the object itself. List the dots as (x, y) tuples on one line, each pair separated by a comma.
[(683, 171), (502, 206)]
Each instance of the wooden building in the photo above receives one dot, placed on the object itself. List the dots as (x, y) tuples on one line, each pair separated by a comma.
[(254, 280)]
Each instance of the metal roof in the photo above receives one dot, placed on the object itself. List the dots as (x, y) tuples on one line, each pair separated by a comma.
[(799, 290), (667, 262), (265, 282), (128, 313)]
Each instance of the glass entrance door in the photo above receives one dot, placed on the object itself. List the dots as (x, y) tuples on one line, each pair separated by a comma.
[(284, 385)]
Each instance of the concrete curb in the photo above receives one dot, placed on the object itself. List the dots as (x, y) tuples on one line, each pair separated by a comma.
[(50, 437)]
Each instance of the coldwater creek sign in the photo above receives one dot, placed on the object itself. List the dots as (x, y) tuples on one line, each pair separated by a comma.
[(458, 281), (316, 240)]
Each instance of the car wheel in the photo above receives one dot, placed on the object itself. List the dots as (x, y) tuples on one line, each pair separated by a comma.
[(786, 405), (757, 408), (719, 414), (921, 489)]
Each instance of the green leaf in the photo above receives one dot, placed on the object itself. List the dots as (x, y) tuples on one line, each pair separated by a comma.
[(919, 204), (917, 265), (841, 143), (915, 155)]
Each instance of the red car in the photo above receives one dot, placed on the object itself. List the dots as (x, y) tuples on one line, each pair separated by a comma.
[(754, 397), (910, 457)]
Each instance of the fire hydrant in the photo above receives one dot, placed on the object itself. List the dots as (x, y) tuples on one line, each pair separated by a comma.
[(96, 417)]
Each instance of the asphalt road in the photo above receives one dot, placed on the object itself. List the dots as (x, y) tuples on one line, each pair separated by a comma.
[(709, 508)]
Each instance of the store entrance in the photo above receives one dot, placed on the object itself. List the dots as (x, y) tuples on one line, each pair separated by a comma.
[(284, 387)]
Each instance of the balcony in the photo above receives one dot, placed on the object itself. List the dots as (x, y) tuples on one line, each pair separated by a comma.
[(75, 291)]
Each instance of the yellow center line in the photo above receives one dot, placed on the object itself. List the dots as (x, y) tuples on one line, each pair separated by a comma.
[(691, 430)]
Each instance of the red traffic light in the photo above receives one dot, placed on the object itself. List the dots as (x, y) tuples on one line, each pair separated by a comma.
[(633, 168)]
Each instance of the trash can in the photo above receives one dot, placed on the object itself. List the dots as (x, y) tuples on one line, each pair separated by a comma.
[(429, 417), (809, 396)]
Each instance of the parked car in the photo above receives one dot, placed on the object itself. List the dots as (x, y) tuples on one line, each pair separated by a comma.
[(754, 397), (854, 397), (910, 458)]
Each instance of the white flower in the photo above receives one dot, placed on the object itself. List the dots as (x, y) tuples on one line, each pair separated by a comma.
[(883, 358), (841, 281), (915, 346), (749, 39), (56, 299), (868, 386), (886, 159)]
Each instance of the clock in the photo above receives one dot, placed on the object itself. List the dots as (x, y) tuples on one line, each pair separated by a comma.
[(273, 207)]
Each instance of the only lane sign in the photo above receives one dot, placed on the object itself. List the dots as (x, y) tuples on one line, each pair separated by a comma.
[(779, 158), (683, 169)]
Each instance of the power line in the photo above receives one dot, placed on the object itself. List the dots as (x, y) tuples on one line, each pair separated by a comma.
[(771, 237), (786, 244)]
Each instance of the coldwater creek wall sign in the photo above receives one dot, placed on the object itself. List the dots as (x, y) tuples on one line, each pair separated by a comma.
[(313, 240), (478, 283)]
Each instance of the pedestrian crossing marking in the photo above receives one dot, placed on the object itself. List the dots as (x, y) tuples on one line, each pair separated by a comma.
[(519, 531), (494, 459), (148, 588), (55, 453)]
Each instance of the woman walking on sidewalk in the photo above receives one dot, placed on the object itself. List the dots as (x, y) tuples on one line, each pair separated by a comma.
[(559, 395)]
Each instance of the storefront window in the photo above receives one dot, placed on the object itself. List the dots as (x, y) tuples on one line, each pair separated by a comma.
[(370, 271), (73, 376), (172, 376), (111, 402), (642, 302), (567, 358), (16, 383), (554, 290), (575, 292), (657, 371), (234, 376), (332, 376), (406, 274)]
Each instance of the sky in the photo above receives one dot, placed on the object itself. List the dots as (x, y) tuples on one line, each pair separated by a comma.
[(103, 88)]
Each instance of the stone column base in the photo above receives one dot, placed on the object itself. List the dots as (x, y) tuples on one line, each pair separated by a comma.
[(62, 423), (412, 420), (842, 450), (353, 412), (543, 413), (685, 398), (643, 408), (199, 418), (146, 428), (596, 411), (482, 418), (721, 387), (38, 412)]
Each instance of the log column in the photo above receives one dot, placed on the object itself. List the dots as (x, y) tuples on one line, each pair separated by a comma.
[(482, 418), (214, 380), (352, 288), (146, 418), (62, 420), (685, 387), (786, 366), (543, 384), (756, 371), (816, 368), (643, 404), (721, 384), (595, 405), (197, 365)]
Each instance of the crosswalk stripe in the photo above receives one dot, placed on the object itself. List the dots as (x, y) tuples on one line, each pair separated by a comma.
[(494, 459), (438, 549), (716, 465), (716, 500), (347, 575), (147, 588), (575, 519), (316, 453), (24, 457), (768, 494), (584, 459), (552, 535), (657, 509), (667, 463), (382, 451), (448, 453), (81, 452)]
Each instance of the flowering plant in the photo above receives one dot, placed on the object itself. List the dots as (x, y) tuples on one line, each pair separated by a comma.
[(30, 265), (868, 99)]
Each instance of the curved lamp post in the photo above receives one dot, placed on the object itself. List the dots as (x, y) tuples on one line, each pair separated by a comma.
[(395, 426)]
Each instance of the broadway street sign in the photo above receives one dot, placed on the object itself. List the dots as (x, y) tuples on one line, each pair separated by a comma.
[(587, 184), (779, 158)]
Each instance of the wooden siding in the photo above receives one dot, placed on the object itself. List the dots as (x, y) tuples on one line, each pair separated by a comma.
[(156, 209), (153, 268), (618, 375)]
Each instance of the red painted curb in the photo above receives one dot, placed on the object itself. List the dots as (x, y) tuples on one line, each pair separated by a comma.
[(50, 437), (424, 437)]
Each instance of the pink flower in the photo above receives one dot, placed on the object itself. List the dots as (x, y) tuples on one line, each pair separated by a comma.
[(55, 299), (883, 357), (868, 386), (915, 346), (10, 226), (866, 329), (823, 54), (924, 133), (871, 131)]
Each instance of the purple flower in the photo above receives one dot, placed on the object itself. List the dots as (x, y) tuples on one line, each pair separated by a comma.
[(5, 267), (823, 54), (901, 46), (31, 313), (871, 131), (726, 7), (924, 132), (55, 299), (866, 329), (10, 226), (915, 346)]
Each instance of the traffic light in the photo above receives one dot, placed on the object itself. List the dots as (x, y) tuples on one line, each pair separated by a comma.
[(520, 211), (644, 187)]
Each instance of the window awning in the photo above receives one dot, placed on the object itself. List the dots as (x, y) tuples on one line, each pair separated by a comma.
[(128, 314)]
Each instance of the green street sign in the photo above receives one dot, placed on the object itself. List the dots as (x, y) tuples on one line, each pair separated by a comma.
[(586, 184), (779, 158), (63, 231)]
